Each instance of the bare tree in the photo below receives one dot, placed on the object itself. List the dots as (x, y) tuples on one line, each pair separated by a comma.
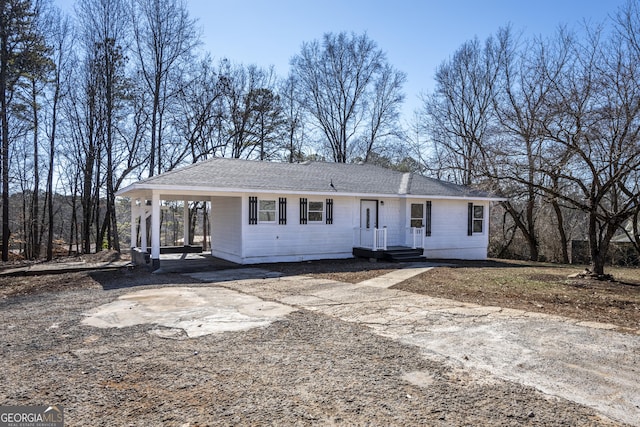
[(60, 38), (460, 111), (596, 127), (266, 106), (251, 114), (104, 32), (383, 116), (22, 48), (196, 121), (165, 37), (294, 119), (345, 82), (522, 94)]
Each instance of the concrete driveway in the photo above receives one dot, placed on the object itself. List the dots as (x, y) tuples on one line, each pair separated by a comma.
[(583, 362)]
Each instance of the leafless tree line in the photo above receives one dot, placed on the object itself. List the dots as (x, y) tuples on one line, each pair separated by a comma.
[(121, 90), (553, 124)]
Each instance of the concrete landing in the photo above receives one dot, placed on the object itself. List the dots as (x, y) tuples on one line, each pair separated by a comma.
[(196, 311), (394, 277)]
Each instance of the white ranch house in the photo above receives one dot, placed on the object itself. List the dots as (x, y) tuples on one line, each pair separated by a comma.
[(279, 212)]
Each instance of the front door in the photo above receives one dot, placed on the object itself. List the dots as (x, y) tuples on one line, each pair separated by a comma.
[(368, 221), (368, 214)]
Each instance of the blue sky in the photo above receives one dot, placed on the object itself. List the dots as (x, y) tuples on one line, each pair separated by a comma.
[(416, 35)]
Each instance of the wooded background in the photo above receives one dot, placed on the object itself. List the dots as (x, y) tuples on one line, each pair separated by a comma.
[(122, 90)]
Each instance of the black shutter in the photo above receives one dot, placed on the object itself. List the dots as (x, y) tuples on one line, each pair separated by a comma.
[(329, 213), (427, 220), (470, 220), (303, 211), (282, 218), (253, 210)]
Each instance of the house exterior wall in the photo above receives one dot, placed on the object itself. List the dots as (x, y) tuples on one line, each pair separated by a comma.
[(234, 239), (226, 228), (293, 241), (390, 215), (449, 237)]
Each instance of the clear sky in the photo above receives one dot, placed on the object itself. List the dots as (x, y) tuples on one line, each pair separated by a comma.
[(416, 35)]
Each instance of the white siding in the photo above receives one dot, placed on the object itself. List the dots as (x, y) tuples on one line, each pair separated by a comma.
[(226, 228), (300, 242), (390, 215), (449, 237), (235, 240)]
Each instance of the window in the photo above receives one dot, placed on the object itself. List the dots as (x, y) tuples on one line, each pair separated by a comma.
[(417, 215), (478, 218), (316, 211), (267, 211)]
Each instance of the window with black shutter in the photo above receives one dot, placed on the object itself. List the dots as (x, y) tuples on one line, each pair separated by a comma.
[(329, 213), (282, 216), (253, 210), (303, 210), (427, 221), (478, 218)]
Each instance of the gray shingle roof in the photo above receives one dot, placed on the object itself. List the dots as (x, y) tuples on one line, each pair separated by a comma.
[(228, 174)]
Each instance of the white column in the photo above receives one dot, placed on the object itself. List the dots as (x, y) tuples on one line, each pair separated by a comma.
[(155, 231), (134, 219), (186, 223), (143, 226)]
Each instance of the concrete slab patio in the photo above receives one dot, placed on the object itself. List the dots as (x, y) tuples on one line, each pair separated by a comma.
[(593, 366), (196, 311)]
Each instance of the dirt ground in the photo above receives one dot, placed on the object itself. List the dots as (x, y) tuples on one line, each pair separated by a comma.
[(306, 369), (538, 287)]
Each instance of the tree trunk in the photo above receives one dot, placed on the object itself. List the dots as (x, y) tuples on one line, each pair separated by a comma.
[(527, 230), (74, 225), (599, 245), (4, 59), (561, 233), (52, 141), (34, 229), (534, 254)]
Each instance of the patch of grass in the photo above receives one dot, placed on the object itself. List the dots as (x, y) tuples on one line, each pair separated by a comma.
[(539, 287)]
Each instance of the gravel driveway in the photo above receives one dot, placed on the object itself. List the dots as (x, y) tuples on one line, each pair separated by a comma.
[(330, 362)]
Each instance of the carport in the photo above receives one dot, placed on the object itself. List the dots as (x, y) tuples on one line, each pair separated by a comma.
[(146, 212)]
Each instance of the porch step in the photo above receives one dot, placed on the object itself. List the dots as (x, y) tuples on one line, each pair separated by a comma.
[(404, 255), (394, 254)]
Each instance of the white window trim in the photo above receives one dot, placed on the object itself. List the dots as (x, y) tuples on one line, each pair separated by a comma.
[(321, 211), (478, 219), (412, 218), (275, 211)]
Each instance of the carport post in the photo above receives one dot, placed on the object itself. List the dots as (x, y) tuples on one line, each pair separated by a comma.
[(186, 224), (134, 220), (155, 231), (143, 227)]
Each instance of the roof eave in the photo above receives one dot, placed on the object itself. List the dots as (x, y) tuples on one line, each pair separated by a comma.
[(137, 190)]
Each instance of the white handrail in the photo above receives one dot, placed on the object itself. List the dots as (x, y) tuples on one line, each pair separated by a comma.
[(373, 238), (417, 237), (379, 239)]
